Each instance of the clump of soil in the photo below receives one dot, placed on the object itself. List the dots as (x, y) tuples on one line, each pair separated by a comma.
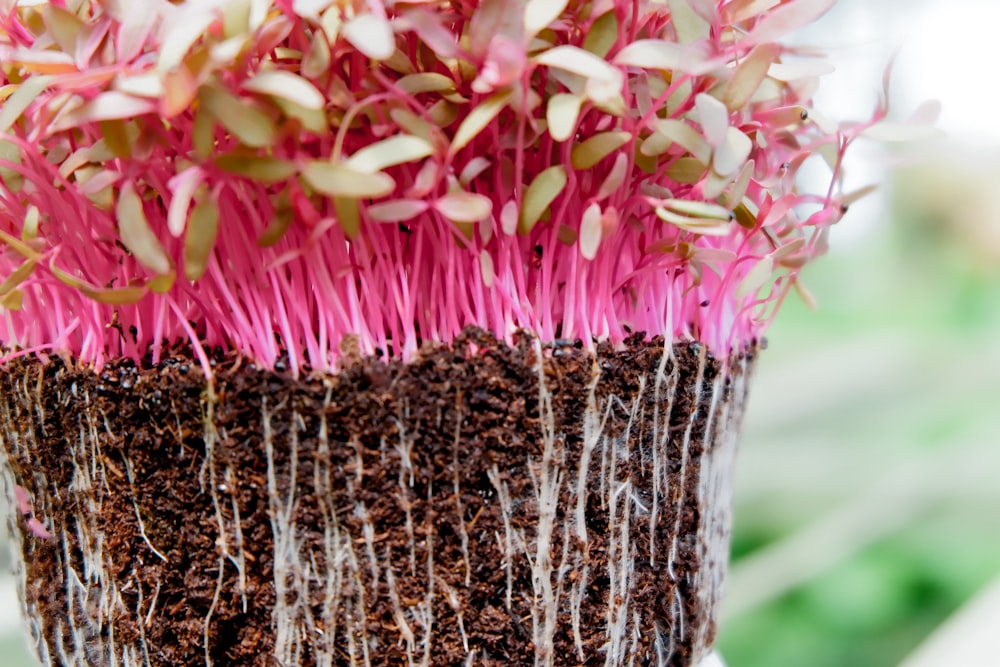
[(482, 504)]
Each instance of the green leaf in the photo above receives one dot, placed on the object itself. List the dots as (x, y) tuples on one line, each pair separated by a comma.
[(116, 296), (199, 240), (203, 133), (587, 154), (479, 117), (338, 180), (162, 284), (116, 137), (19, 246), (136, 234), (276, 228), (261, 169), (17, 276), (602, 35), (686, 170), (12, 300), (539, 195), (348, 215), (246, 122)]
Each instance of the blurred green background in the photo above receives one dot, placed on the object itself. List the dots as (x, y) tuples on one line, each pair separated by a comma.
[(866, 494)]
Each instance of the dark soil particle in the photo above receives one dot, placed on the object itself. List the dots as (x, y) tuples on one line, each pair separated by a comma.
[(304, 520)]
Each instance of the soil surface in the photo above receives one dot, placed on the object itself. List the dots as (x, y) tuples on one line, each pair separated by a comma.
[(391, 514)]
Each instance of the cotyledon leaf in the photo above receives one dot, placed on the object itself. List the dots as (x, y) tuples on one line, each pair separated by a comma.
[(540, 194)]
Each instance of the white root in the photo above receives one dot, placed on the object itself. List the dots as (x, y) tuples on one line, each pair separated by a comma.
[(329, 576)]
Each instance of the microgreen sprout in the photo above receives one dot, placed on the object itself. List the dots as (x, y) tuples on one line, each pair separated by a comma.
[(277, 176)]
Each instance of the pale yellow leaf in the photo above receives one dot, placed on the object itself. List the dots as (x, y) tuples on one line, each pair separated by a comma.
[(615, 178), (180, 33), (749, 75), (698, 209), (286, 85), (713, 116), (539, 14), (665, 55), (695, 225), (604, 80), (486, 268), (473, 168), (543, 190), (338, 180), (397, 149), (591, 231), (316, 61), (397, 210), (561, 113), (464, 206), (479, 117), (674, 131), (689, 26), (732, 154), (370, 34), (149, 84), (182, 187), (136, 234), (29, 228), (509, 217), (106, 106)]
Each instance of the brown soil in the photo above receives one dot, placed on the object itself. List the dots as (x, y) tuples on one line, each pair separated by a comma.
[(300, 525)]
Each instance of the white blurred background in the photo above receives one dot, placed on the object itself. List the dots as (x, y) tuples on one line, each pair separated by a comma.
[(867, 529)]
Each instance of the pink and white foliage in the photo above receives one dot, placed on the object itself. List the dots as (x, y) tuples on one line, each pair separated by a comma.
[(276, 175)]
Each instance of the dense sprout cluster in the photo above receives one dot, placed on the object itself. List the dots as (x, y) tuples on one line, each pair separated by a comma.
[(282, 176)]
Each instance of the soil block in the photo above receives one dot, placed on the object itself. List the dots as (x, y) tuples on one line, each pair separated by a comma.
[(481, 504)]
